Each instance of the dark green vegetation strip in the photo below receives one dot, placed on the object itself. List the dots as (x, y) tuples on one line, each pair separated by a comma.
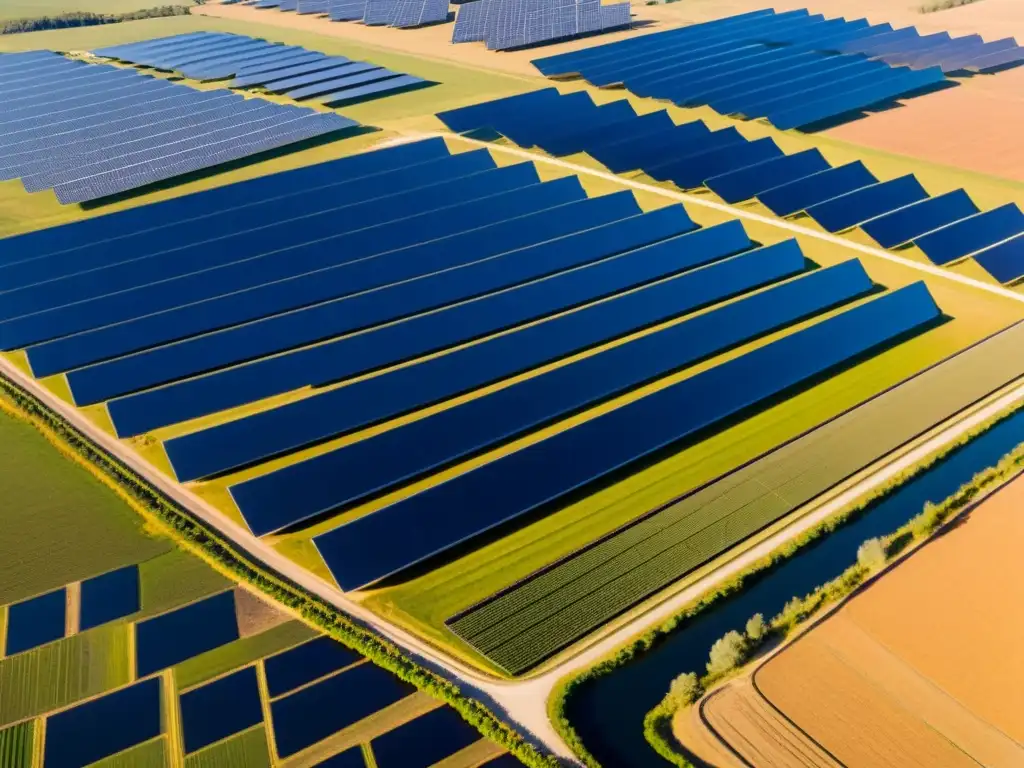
[(16, 745), (87, 19), (334, 623), (539, 616)]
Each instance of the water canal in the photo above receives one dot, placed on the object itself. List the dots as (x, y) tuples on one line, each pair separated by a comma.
[(608, 712)]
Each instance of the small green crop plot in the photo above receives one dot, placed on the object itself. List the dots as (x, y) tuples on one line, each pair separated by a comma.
[(16, 745)]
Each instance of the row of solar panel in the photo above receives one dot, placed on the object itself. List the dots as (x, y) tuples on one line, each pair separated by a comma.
[(289, 70), (897, 212), (510, 24), (401, 14), (795, 69), (801, 31), (90, 131)]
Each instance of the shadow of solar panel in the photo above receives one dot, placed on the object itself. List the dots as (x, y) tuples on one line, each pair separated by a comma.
[(248, 273), (848, 210), (220, 709), (1005, 260), (380, 12), (745, 183), (799, 195), (361, 404), (825, 109), (314, 713), (497, 417), (220, 255), (350, 356), (103, 228), (424, 741), (284, 332), (339, 68), (470, 23), (340, 83), (902, 226), (967, 236), (454, 512), (390, 87), (692, 170)]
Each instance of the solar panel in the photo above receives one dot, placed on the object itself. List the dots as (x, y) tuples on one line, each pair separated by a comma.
[(1004, 261), (439, 518), (975, 233), (796, 196), (375, 90), (902, 226), (848, 210), (744, 183), (380, 12), (340, 83), (347, 10), (313, 6), (470, 23), (339, 68), (314, 64), (112, 378), (217, 449)]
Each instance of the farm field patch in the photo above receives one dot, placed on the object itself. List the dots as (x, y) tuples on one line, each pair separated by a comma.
[(242, 751), (895, 657)]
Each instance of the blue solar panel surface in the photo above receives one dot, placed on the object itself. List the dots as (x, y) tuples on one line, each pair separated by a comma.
[(220, 709), (744, 183), (902, 226), (1005, 260), (347, 357), (848, 210), (444, 515), (278, 333), (424, 741), (371, 466), (215, 450), (391, 85), (962, 238), (799, 195)]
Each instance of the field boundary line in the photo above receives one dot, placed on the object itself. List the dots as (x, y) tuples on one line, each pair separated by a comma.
[(740, 213)]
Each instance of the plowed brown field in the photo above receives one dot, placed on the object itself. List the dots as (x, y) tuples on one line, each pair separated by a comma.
[(923, 668)]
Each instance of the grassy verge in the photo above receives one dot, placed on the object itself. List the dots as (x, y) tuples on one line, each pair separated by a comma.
[(225, 558), (797, 611)]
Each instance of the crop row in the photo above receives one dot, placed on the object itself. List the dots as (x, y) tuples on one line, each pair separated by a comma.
[(543, 614)]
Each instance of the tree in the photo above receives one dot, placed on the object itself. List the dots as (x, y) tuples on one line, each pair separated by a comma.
[(756, 627), (726, 653), (871, 554), (685, 689)]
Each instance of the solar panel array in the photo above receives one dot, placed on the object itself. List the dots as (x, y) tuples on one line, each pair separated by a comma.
[(396, 280), (401, 14), (897, 213), (795, 69), (510, 24), (252, 63), (90, 131)]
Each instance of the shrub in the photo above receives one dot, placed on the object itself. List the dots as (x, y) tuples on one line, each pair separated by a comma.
[(872, 555), (685, 689), (726, 654), (756, 628)]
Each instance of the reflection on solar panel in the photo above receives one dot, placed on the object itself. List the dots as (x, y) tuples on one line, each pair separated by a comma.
[(508, 24), (112, 130), (278, 68), (798, 70)]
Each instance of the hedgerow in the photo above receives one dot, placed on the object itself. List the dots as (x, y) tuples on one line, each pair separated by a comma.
[(194, 535)]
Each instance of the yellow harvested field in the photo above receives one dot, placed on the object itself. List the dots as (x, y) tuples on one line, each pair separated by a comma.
[(923, 660)]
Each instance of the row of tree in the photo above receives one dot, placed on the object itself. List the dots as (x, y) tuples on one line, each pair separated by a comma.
[(87, 19)]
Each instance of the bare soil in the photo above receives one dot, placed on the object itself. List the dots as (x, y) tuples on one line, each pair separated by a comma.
[(922, 668), (254, 614)]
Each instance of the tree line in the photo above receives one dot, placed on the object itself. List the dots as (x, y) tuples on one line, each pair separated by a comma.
[(87, 19)]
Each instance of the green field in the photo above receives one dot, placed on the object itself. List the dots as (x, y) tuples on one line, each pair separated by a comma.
[(32, 9), (55, 675), (61, 524), (524, 626), (176, 578), (246, 750), (16, 745)]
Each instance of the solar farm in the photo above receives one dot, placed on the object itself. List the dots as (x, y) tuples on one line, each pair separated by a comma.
[(488, 362)]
